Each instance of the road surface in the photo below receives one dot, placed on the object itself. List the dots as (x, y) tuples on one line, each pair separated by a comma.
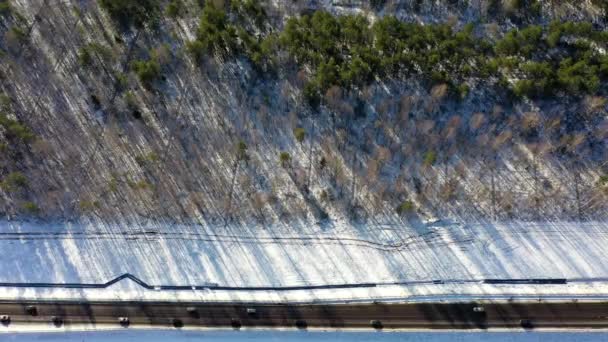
[(372, 316)]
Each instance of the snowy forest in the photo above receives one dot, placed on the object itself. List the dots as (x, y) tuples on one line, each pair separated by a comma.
[(223, 111)]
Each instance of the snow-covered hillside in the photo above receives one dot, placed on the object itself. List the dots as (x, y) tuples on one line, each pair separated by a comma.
[(220, 172), (105, 145)]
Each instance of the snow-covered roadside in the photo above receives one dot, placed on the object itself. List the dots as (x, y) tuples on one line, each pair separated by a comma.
[(100, 333), (283, 256)]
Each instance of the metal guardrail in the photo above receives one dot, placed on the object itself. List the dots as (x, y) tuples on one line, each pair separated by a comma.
[(215, 286), (557, 281), (205, 286)]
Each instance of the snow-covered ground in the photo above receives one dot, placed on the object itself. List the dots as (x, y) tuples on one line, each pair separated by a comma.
[(295, 255), (350, 336)]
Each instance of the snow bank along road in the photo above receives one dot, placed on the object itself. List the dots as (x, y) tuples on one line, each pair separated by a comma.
[(377, 316), (335, 262)]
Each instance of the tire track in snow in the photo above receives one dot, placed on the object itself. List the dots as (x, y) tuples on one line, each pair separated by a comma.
[(421, 241)]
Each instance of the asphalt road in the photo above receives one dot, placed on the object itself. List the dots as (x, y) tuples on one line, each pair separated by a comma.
[(373, 316)]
